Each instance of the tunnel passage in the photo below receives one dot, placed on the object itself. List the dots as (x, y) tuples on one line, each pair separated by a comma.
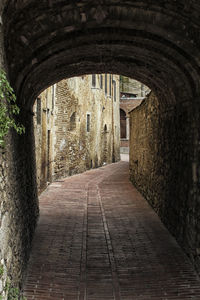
[(155, 42)]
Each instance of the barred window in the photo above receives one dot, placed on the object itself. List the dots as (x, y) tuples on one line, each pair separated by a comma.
[(110, 85), (106, 89), (101, 81), (88, 122), (93, 80), (114, 91), (38, 111), (53, 96)]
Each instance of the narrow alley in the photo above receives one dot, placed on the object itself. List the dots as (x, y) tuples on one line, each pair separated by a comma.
[(97, 238)]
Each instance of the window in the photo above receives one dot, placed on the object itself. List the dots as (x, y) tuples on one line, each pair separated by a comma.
[(114, 91), (88, 122), (106, 90), (110, 85), (93, 80), (48, 115), (53, 96), (38, 111), (73, 121), (47, 98), (101, 81)]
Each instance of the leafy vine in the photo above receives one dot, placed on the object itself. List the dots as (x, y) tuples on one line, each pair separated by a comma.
[(8, 109)]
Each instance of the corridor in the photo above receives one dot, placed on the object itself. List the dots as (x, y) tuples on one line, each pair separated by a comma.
[(97, 238)]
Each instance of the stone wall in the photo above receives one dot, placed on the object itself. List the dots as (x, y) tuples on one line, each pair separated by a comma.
[(163, 166), (18, 200), (44, 129), (18, 208), (64, 144)]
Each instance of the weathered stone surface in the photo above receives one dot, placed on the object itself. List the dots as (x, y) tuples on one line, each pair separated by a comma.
[(18, 206), (156, 42), (18, 200), (163, 166), (63, 146), (83, 150)]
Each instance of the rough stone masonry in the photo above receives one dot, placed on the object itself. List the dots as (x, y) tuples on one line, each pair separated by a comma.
[(164, 167), (155, 42)]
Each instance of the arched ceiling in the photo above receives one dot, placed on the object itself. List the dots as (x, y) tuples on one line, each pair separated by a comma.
[(154, 41)]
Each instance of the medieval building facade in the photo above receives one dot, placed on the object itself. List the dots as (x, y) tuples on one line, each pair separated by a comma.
[(132, 93), (77, 126)]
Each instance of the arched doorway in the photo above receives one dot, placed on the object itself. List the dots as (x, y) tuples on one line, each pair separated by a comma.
[(122, 124)]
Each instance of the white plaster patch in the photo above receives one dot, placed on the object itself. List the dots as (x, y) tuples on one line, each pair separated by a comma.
[(62, 144), (4, 232)]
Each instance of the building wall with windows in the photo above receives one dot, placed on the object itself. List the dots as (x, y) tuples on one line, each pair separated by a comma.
[(44, 118), (132, 93), (77, 126), (131, 88)]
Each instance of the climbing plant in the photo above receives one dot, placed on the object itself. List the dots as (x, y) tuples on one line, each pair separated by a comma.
[(8, 109)]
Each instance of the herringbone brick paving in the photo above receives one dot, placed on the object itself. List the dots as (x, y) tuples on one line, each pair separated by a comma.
[(98, 239)]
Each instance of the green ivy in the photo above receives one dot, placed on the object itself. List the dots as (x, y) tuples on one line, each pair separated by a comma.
[(8, 109), (14, 294), (1, 270)]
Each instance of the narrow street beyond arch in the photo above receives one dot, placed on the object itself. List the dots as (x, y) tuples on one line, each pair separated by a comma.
[(97, 238)]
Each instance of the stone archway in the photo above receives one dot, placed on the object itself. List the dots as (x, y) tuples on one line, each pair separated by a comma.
[(154, 42), (157, 41)]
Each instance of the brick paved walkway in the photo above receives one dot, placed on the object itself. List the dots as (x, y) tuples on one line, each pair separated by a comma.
[(97, 239)]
